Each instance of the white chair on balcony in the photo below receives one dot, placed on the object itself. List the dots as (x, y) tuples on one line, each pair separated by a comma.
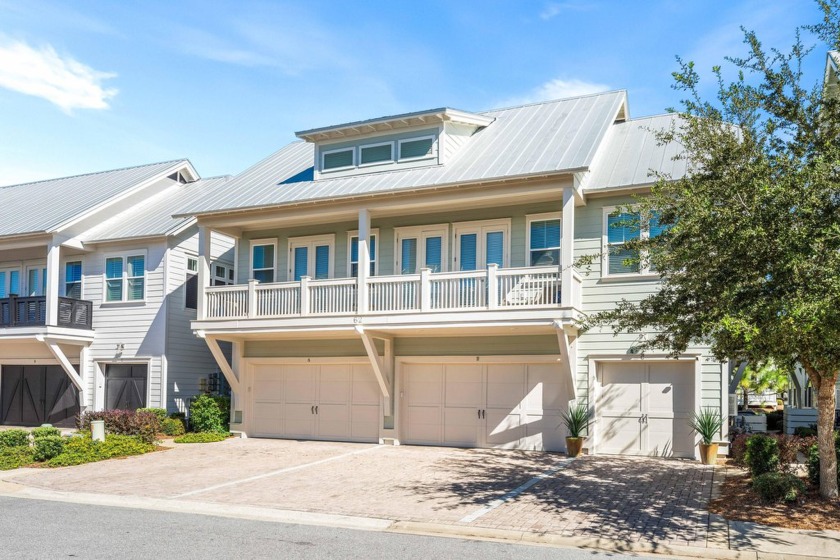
[(526, 292)]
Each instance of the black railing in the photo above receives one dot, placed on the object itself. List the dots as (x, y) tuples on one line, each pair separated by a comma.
[(32, 312)]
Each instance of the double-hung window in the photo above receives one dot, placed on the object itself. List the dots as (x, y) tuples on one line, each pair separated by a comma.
[(125, 278), (353, 253), (73, 279), (621, 227), (544, 240), (191, 284), (262, 260)]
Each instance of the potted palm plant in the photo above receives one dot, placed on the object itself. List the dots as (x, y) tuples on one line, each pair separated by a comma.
[(577, 421), (707, 423)]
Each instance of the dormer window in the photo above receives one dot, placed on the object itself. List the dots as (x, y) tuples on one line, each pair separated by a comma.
[(417, 148), (376, 153), (337, 159)]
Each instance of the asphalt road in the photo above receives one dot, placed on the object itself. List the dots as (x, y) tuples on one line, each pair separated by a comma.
[(31, 529)]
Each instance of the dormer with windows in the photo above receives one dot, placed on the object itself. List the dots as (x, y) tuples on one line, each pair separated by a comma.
[(393, 143)]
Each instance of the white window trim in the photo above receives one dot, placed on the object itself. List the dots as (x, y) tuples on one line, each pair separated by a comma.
[(479, 227), (374, 163), (63, 276), (402, 141), (542, 217), (324, 153), (228, 281), (644, 272), (374, 232), (420, 233), (124, 256), (254, 243), (24, 281), (311, 241)]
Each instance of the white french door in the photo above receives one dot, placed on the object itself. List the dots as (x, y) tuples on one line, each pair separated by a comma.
[(36, 280), (417, 248), (9, 282), (480, 244), (311, 257)]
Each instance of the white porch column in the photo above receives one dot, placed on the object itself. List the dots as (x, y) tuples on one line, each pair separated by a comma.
[(53, 271), (567, 251), (364, 261), (204, 244)]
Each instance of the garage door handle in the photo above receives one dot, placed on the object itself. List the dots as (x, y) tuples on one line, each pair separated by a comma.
[(479, 413), (316, 409), (312, 409)]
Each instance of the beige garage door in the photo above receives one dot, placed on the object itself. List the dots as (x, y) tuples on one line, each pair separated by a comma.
[(645, 409), (504, 405), (315, 401)]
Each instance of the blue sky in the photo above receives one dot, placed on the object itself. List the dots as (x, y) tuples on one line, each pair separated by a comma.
[(93, 85)]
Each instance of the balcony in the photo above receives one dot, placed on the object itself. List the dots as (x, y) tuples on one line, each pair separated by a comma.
[(493, 289), (32, 312)]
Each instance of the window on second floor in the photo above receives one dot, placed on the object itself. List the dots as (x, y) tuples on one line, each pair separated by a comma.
[(125, 278), (544, 240), (9, 282), (222, 275), (262, 260), (73, 279), (353, 254), (337, 159), (191, 284), (621, 228)]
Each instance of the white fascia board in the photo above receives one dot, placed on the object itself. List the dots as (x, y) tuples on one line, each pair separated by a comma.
[(178, 166)]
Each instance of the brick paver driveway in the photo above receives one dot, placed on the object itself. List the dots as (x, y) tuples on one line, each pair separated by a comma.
[(627, 499)]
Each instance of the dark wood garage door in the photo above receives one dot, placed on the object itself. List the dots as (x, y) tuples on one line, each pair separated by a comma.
[(125, 386), (35, 395)]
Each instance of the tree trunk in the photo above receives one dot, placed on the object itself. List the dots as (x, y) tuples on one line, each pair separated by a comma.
[(825, 435)]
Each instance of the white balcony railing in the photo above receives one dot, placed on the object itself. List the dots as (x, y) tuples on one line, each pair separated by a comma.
[(489, 289)]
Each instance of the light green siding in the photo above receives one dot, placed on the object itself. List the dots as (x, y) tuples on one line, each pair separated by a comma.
[(477, 345)]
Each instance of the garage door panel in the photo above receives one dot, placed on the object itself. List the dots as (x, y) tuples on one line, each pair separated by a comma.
[(621, 389), (504, 430), (364, 422), (334, 420), (298, 420), (424, 385), (299, 384), (622, 436), (544, 431), (669, 437), (460, 426), (423, 424), (335, 385), (546, 390), (463, 386), (365, 387), (268, 419), (506, 386), (671, 388)]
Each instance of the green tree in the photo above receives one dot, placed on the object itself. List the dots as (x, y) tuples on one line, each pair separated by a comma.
[(750, 257), (759, 379)]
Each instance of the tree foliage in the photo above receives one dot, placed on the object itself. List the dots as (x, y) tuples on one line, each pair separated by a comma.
[(750, 258)]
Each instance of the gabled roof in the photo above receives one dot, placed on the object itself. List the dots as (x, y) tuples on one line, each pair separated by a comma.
[(155, 217), (46, 206), (540, 139), (631, 150)]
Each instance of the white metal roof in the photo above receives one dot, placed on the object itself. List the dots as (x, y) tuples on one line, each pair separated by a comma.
[(155, 217), (530, 140), (44, 206), (631, 150)]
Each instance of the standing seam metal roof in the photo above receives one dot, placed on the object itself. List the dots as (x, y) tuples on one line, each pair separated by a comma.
[(541, 138), (44, 206)]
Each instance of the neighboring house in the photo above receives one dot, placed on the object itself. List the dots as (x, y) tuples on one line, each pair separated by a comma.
[(94, 302), (410, 279)]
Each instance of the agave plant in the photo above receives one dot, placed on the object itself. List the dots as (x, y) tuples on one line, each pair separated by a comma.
[(577, 420), (707, 424)]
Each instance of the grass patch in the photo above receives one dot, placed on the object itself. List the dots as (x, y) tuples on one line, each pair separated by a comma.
[(202, 437), (16, 457), (80, 450)]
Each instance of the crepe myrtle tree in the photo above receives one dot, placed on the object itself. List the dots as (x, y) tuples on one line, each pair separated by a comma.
[(750, 253)]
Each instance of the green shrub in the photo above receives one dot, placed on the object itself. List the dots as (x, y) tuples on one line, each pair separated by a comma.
[(778, 487), (172, 427), (15, 457), (224, 408), (140, 423), (159, 412), (205, 415), (47, 447), (13, 438), (738, 449), (202, 437), (814, 461), (762, 455), (802, 431), (45, 431), (79, 450)]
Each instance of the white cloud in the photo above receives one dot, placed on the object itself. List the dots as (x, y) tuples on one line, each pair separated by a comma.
[(556, 89), (63, 81), (553, 9)]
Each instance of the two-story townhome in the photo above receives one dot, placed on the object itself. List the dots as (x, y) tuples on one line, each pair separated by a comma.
[(411, 279), (98, 285)]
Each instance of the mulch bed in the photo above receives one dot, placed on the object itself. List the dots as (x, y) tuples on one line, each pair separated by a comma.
[(737, 501)]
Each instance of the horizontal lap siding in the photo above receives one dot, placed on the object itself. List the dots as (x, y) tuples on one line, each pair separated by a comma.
[(140, 327), (602, 295), (188, 358)]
